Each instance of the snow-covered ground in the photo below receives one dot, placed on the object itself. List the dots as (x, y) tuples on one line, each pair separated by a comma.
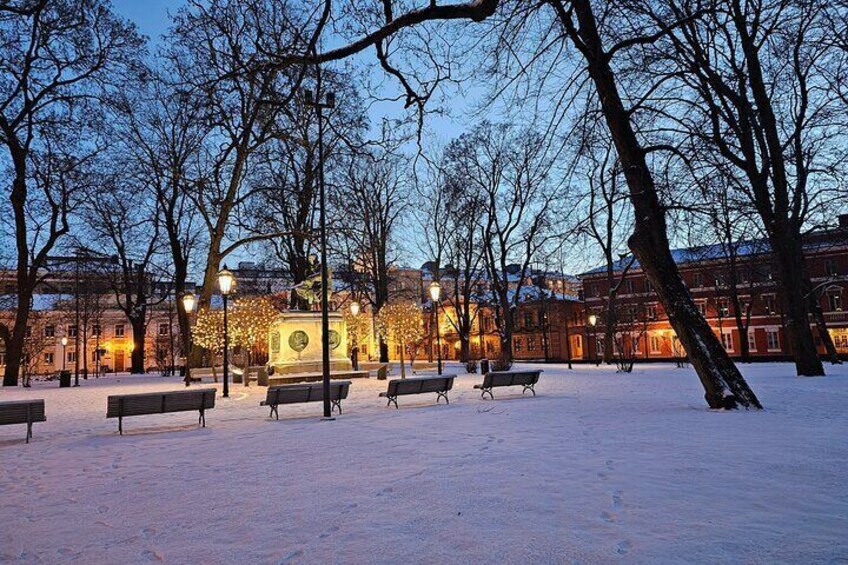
[(599, 468)]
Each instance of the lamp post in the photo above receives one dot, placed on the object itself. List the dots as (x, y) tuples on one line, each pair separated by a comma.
[(593, 320), (188, 305), (354, 352), (435, 294), (226, 283), (329, 102), (64, 352)]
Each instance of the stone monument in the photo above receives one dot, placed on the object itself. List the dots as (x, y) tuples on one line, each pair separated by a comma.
[(294, 340)]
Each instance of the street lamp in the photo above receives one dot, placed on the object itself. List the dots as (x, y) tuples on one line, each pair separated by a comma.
[(64, 352), (226, 284), (329, 102), (435, 294), (354, 351), (593, 320), (188, 305)]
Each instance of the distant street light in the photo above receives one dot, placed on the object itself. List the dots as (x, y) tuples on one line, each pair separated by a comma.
[(64, 352), (226, 284), (435, 295), (593, 320), (188, 305)]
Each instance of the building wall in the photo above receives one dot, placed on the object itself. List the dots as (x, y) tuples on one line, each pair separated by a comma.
[(827, 265)]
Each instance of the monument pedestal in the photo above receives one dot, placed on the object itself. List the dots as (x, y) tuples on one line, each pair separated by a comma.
[(294, 343)]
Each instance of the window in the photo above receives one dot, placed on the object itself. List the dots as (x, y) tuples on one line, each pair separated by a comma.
[(727, 340), (164, 329), (697, 280), (834, 302), (651, 311), (578, 342), (628, 286), (490, 347), (593, 288), (528, 319), (723, 307), (48, 358), (95, 329), (49, 330), (830, 267), (72, 356), (656, 344), (752, 341), (518, 344), (119, 330), (769, 306), (531, 344), (773, 340), (94, 356), (72, 331), (649, 287), (702, 307)]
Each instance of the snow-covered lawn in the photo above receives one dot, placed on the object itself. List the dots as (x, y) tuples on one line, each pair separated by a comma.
[(598, 468)]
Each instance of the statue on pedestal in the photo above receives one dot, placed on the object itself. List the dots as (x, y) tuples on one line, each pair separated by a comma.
[(310, 289)]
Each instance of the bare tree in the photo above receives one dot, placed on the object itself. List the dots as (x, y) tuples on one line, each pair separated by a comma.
[(375, 195), (54, 59), (761, 104), (510, 170), (574, 22)]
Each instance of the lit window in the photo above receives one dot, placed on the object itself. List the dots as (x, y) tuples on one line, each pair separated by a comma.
[(119, 330), (834, 301), (752, 341), (517, 344), (656, 344), (727, 340)]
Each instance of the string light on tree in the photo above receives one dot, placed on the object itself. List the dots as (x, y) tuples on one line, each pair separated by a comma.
[(401, 323)]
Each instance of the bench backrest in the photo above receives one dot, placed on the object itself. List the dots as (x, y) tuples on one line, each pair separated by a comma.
[(160, 402), (22, 411), (295, 394), (510, 378), (418, 385)]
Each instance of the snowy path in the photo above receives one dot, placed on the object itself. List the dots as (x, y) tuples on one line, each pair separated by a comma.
[(599, 468)]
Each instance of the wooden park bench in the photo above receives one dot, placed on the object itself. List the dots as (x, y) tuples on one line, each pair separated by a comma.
[(121, 406), (22, 412), (419, 385), (297, 394), (527, 379)]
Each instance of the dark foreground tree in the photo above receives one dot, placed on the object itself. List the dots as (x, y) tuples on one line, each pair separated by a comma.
[(575, 20)]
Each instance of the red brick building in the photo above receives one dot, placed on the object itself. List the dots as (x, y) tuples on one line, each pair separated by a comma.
[(711, 272)]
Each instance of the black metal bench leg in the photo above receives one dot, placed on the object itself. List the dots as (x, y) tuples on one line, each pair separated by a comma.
[(121, 425), (487, 391), (392, 399), (274, 412), (29, 431), (530, 388), (442, 395), (336, 404), (202, 418)]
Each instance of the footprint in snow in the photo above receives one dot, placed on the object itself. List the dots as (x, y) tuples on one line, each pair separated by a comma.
[(152, 555), (608, 517), (102, 509), (291, 556), (147, 532), (616, 499), (623, 547)]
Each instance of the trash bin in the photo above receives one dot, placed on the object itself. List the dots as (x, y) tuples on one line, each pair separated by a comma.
[(484, 366), (64, 379)]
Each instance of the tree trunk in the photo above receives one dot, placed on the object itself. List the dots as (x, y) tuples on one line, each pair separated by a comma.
[(15, 343), (821, 326), (139, 328), (724, 386), (402, 367), (792, 273)]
